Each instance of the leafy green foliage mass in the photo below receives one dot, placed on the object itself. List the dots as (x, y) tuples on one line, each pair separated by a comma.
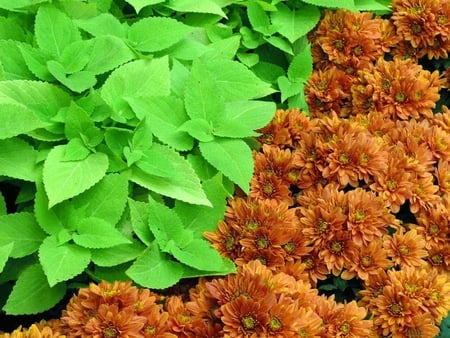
[(125, 125)]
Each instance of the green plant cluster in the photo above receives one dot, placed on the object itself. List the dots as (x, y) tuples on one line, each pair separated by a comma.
[(125, 125)]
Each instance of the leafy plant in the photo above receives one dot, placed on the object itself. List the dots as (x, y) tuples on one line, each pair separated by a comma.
[(126, 125)]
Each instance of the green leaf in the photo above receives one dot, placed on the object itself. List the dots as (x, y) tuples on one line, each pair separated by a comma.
[(258, 18), (76, 150), (14, 151), (7, 4), (62, 262), (117, 139), (372, 6), (5, 251), (198, 254), (96, 233), (200, 218), (117, 255), (202, 93), (47, 218), (154, 162), (223, 49), (36, 61), (202, 167), (227, 267), (54, 30), (3, 209), (63, 180), (122, 84), (232, 157), (10, 29), (289, 88), (280, 43), (139, 221), (445, 327), (108, 52), (242, 118), (154, 269), (157, 33), (103, 24), (165, 225), (77, 82), (165, 115), (184, 184), (301, 66), (22, 230), (236, 82), (76, 56), (43, 99), (13, 63), (139, 4), (199, 6), (199, 129), (293, 23), (347, 4), (77, 121), (17, 119), (32, 294)]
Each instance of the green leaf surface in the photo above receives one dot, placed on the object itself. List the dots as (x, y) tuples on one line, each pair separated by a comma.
[(198, 128), (155, 162), (200, 218), (32, 294), (5, 251), (347, 4), (96, 233), (293, 23), (11, 5), (47, 218), (223, 49), (139, 4), (36, 61), (227, 266), (62, 262), (242, 118), (17, 119), (108, 52), (22, 230), (198, 254), (165, 115), (202, 94), (199, 6), (54, 30), (77, 82), (106, 199), (76, 56), (166, 225), (371, 5), (155, 269), (236, 82), (289, 88), (76, 150), (77, 121), (14, 151), (232, 157), (14, 66), (183, 185), (63, 180), (3, 209), (153, 34), (139, 221), (258, 17), (103, 24), (122, 84), (301, 66), (118, 254), (280, 43)]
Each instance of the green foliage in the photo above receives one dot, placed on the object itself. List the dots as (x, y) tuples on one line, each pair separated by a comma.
[(125, 127)]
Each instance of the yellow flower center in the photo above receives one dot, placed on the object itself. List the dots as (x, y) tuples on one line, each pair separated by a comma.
[(363, 159), (437, 259), (395, 309), (248, 322), (391, 185), (359, 215), (416, 28), (345, 328), (302, 333), (322, 226), (110, 332), (400, 97), (268, 188), (309, 263), (150, 330), (109, 293), (357, 50), (289, 247), (433, 229), (366, 261), (262, 243), (275, 324), (403, 249), (229, 243), (339, 44), (336, 247), (344, 159)]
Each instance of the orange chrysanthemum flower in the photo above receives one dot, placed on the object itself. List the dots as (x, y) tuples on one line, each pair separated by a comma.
[(351, 321), (34, 331), (406, 249)]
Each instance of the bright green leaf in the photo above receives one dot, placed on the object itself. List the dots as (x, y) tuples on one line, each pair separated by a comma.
[(371, 5), (77, 121), (289, 88), (54, 30), (202, 167), (280, 43), (139, 220), (155, 269), (157, 33), (165, 115), (76, 150), (63, 180), (47, 218), (22, 230), (347, 4), (3, 209), (183, 185), (154, 162), (17, 119), (32, 294), (96, 233), (199, 129), (36, 61), (76, 56), (223, 49), (139, 4), (293, 23), (117, 255), (242, 118), (258, 17), (5, 251), (77, 82), (232, 157), (142, 137), (11, 58), (14, 151), (117, 139), (301, 66), (103, 24), (62, 262), (199, 6)]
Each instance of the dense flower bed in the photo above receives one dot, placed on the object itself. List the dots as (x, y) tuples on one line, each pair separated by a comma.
[(358, 191)]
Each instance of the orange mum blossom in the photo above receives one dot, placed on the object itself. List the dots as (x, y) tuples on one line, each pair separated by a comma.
[(34, 331), (276, 132), (406, 248), (269, 186), (442, 174), (433, 225), (373, 288), (300, 124), (315, 267), (421, 325), (273, 161), (423, 193), (439, 256), (351, 321), (180, 321)]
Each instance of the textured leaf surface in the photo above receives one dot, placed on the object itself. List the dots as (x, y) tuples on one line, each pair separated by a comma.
[(103, 24), (155, 269), (96, 233), (32, 294), (63, 180), (14, 65), (22, 230), (301, 66), (62, 261), (14, 151), (348, 4), (3, 208), (183, 185), (139, 220), (157, 33), (47, 218), (17, 119), (117, 255), (233, 157), (139, 4), (5, 251), (294, 23), (199, 6), (54, 30)]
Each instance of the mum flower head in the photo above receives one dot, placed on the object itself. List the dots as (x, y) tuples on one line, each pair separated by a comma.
[(406, 248)]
